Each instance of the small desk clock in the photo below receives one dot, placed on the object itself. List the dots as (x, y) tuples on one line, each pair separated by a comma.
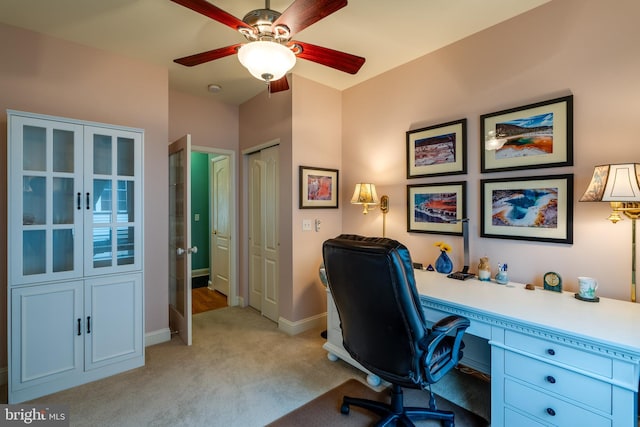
[(552, 282)]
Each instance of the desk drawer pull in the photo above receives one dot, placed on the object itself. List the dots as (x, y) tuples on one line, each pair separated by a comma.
[(551, 352), (550, 379), (551, 412)]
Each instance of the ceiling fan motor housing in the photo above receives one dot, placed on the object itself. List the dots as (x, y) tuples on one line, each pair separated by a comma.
[(262, 20)]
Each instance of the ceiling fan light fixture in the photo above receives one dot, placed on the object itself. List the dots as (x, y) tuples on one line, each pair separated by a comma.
[(266, 60)]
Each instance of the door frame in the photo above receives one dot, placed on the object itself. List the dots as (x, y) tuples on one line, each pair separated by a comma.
[(245, 153), (232, 298)]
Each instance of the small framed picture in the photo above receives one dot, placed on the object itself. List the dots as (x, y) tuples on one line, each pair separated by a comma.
[(431, 208), (533, 136), (437, 150), (533, 208), (318, 188)]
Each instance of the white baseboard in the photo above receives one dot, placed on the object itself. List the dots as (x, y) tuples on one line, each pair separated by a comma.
[(294, 328), (200, 272), (157, 337)]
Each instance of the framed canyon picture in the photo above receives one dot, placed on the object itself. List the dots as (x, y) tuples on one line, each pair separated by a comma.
[(437, 150), (431, 208), (533, 136), (532, 208)]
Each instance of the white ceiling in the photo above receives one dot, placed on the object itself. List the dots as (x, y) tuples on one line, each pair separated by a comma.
[(387, 33)]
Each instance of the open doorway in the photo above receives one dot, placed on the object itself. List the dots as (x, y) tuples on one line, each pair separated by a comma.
[(212, 228)]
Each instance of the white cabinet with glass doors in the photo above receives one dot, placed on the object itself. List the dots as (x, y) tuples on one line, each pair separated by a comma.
[(75, 221)]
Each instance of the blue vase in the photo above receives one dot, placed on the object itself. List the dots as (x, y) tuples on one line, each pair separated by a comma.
[(443, 263)]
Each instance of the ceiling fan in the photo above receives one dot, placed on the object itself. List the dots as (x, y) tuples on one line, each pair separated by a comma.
[(270, 52)]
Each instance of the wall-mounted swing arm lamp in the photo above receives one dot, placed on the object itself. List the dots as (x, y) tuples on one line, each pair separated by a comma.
[(365, 195), (618, 184)]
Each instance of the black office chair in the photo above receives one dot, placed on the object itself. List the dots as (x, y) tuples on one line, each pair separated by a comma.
[(384, 328)]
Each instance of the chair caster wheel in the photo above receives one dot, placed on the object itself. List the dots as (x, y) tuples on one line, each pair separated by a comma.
[(344, 409)]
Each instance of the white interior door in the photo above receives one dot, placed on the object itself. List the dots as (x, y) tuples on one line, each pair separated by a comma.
[(221, 230), (263, 232), (255, 231), (270, 232), (180, 238)]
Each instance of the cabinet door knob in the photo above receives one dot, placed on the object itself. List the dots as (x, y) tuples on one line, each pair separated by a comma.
[(551, 412), (550, 379), (79, 326), (551, 352), (88, 324), (79, 200), (88, 202)]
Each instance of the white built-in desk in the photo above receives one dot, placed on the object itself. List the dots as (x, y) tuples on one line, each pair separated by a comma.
[(554, 360)]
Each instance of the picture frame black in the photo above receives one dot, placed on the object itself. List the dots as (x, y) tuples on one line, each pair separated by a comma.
[(319, 188), (431, 207), (536, 208), (538, 135), (437, 150)]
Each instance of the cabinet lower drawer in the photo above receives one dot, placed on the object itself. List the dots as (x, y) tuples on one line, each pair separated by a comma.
[(513, 418), (581, 388), (549, 409), (560, 353)]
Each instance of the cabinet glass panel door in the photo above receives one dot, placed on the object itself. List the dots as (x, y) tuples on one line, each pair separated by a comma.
[(46, 217), (112, 173)]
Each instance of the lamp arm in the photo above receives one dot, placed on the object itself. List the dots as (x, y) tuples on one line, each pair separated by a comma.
[(633, 260), (465, 238)]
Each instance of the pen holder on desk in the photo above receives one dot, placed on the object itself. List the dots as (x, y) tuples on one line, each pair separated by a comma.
[(502, 278)]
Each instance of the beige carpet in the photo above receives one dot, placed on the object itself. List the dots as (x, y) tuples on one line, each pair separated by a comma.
[(325, 410), (240, 371)]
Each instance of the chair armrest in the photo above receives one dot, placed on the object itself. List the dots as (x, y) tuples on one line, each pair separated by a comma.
[(449, 323), (443, 346)]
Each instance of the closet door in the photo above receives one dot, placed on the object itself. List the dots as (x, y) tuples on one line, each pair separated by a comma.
[(45, 213), (112, 200)]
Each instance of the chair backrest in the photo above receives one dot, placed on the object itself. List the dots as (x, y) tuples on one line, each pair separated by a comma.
[(373, 287)]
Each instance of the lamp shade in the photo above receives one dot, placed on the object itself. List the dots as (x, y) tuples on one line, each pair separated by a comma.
[(365, 194), (614, 183), (266, 60)]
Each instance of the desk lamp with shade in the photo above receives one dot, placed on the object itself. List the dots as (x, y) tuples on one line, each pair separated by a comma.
[(618, 184)]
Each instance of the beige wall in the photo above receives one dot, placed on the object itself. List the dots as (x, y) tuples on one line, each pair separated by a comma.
[(317, 142), (263, 119), (210, 123), (307, 121), (49, 76), (585, 48)]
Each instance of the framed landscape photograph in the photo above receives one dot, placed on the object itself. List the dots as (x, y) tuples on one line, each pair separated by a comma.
[(532, 208), (533, 136), (318, 188), (432, 207), (437, 150)]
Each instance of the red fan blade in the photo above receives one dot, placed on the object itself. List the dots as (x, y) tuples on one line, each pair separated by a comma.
[(213, 12), (210, 55), (279, 85), (331, 58), (302, 13)]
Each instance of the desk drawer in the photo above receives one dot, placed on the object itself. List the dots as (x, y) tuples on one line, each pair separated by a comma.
[(513, 418), (560, 353), (581, 388), (548, 408)]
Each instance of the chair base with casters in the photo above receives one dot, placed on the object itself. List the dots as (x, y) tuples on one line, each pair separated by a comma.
[(395, 413)]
